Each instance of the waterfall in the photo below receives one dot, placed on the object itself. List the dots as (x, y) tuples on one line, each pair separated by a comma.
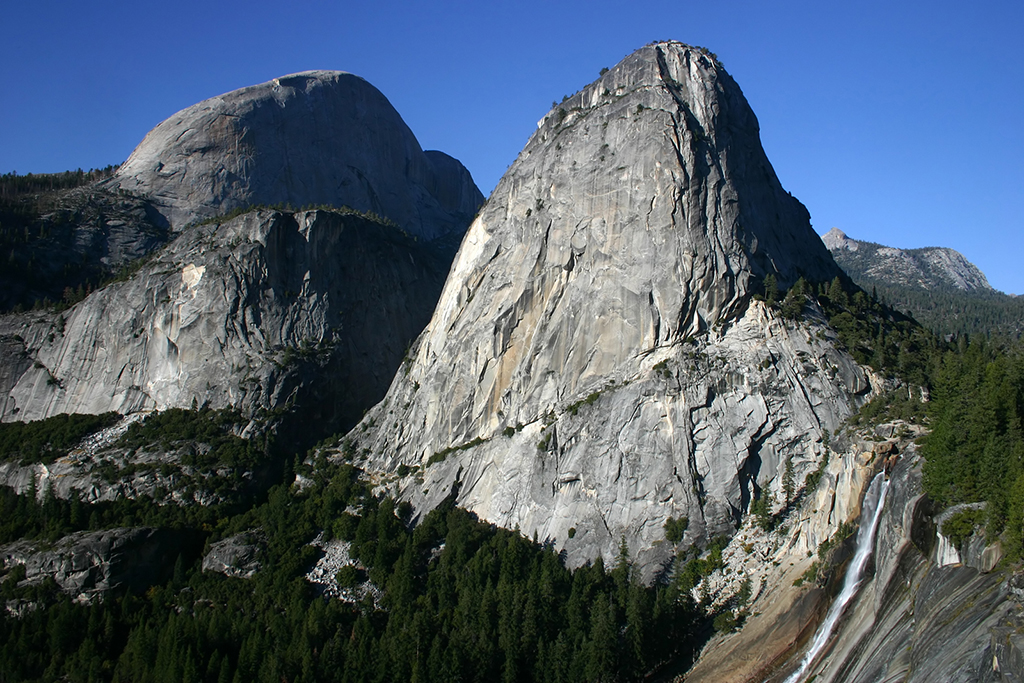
[(874, 501)]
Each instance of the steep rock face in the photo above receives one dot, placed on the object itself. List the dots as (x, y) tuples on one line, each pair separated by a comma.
[(926, 268), (267, 308), (317, 137), (785, 601), (595, 363), (75, 238), (919, 618)]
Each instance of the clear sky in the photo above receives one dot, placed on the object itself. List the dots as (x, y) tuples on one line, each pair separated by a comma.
[(898, 122)]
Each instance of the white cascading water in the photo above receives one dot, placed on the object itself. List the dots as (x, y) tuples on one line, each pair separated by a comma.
[(874, 501)]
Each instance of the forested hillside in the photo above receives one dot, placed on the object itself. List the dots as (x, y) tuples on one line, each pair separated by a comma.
[(63, 235), (451, 598), (455, 598), (930, 294)]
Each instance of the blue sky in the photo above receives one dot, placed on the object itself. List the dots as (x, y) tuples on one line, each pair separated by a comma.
[(899, 123)]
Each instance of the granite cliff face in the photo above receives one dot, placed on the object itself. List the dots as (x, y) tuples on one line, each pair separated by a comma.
[(925, 611), (266, 309), (312, 138), (596, 363), (271, 308), (929, 268), (929, 612)]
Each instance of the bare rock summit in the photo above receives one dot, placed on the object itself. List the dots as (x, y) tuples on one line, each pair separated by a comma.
[(311, 138), (597, 362)]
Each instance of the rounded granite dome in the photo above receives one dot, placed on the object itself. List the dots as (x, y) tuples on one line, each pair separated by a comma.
[(310, 138)]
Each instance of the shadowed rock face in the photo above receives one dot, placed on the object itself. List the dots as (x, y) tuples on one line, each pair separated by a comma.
[(270, 307), (86, 564), (595, 358), (317, 137)]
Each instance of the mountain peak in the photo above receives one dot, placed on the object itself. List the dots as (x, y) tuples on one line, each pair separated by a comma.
[(636, 223), (925, 268), (309, 138)]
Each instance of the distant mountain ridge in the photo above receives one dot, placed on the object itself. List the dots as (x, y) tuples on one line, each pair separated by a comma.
[(926, 267), (936, 285)]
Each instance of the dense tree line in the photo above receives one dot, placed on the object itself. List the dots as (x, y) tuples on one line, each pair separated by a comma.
[(955, 312), (14, 185), (975, 451), (459, 600)]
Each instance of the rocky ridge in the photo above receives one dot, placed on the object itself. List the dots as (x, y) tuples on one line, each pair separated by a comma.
[(623, 374), (925, 268)]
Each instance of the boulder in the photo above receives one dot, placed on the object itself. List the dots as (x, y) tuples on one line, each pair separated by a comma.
[(90, 563)]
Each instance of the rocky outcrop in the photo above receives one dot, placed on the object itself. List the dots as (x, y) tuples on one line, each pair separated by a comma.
[(237, 556), (165, 473), (314, 309), (87, 564), (789, 580), (928, 268), (920, 619), (596, 363), (916, 617), (311, 138)]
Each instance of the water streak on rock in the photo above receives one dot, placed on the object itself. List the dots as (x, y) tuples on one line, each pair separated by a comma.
[(874, 502)]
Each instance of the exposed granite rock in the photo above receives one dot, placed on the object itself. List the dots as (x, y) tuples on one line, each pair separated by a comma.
[(925, 268), (786, 601), (596, 360), (86, 564), (323, 575), (100, 470), (315, 307), (917, 620), (236, 556), (913, 620), (311, 138)]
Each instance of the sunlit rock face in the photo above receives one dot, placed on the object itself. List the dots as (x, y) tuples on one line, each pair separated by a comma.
[(931, 268), (596, 363), (312, 138)]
